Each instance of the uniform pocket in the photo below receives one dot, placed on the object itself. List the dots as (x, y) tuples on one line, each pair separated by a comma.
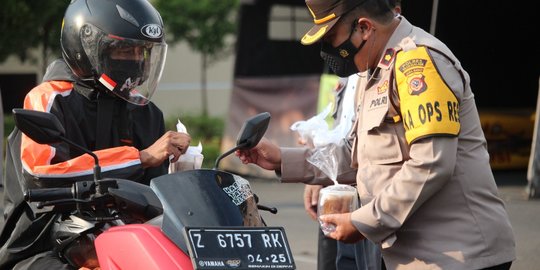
[(382, 145)]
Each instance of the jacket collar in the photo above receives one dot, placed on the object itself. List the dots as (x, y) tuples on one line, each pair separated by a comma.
[(58, 70), (403, 30)]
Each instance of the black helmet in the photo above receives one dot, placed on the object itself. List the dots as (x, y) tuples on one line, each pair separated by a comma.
[(118, 44)]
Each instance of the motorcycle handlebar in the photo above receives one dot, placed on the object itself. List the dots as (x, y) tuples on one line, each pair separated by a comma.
[(48, 194)]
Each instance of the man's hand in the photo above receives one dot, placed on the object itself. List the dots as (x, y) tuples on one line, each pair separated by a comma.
[(265, 154), (171, 143), (345, 230), (311, 198)]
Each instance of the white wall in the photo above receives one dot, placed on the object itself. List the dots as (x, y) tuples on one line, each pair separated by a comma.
[(179, 89), (14, 65)]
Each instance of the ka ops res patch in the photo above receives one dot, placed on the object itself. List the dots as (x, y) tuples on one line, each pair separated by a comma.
[(428, 106)]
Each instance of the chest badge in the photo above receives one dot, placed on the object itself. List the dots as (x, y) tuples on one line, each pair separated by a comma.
[(383, 87)]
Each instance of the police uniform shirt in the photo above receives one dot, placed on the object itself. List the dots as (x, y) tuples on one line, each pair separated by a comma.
[(427, 191)]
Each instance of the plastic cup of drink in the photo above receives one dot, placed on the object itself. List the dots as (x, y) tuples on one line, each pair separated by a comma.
[(336, 199)]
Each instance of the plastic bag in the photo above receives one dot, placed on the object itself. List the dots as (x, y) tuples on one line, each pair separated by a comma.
[(315, 131), (191, 160), (325, 159), (311, 128)]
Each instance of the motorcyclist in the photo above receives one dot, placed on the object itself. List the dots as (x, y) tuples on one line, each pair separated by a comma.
[(113, 54)]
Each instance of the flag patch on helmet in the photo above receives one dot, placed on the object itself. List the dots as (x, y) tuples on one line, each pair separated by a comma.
[(107, 82)]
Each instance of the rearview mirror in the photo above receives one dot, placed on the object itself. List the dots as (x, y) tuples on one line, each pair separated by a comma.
[(252, 131), (42, 127), (250, 134)]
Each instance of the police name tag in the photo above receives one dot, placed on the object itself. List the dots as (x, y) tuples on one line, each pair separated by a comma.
[(239, 248)]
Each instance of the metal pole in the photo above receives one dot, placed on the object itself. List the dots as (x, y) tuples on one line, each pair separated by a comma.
[(434, 11), (2, 144), (533, 171)]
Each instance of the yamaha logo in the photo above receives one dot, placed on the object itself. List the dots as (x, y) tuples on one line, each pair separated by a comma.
[(152, 31), (213, 263)]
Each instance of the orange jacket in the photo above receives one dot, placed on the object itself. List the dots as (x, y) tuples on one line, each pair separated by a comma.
[(24, 229)]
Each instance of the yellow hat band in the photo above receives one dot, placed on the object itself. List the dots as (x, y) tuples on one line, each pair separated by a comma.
[(322, 20), (325, 19)]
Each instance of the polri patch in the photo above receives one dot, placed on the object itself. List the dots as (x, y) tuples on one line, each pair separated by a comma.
[(411, 66)]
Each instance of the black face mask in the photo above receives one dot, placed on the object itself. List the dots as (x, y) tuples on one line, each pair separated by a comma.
[(126, 73), (341, 58)]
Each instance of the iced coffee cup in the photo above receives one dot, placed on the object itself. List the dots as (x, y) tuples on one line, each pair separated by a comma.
[(336, 199)]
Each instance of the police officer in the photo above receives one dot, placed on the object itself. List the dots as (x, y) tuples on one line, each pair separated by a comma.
[(427, 191), (113, 55)]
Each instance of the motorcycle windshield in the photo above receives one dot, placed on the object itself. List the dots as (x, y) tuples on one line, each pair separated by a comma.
[(204, 198)]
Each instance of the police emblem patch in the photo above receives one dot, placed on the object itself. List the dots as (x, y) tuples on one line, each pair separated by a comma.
[(417, 84)]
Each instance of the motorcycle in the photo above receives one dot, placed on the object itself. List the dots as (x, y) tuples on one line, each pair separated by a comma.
[(197, 219)]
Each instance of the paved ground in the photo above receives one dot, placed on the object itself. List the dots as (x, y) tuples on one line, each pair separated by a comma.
[(302, 231)]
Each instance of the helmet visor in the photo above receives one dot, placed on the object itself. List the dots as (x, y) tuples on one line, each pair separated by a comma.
[(130, 68)]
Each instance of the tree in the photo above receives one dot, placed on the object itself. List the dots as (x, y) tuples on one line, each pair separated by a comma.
[(204, 25), (29, 24)]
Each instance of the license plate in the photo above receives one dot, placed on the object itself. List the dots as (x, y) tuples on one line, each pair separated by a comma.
[(239, 248)]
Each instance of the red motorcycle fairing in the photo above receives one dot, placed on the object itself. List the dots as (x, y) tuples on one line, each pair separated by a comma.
[(139, 246)]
